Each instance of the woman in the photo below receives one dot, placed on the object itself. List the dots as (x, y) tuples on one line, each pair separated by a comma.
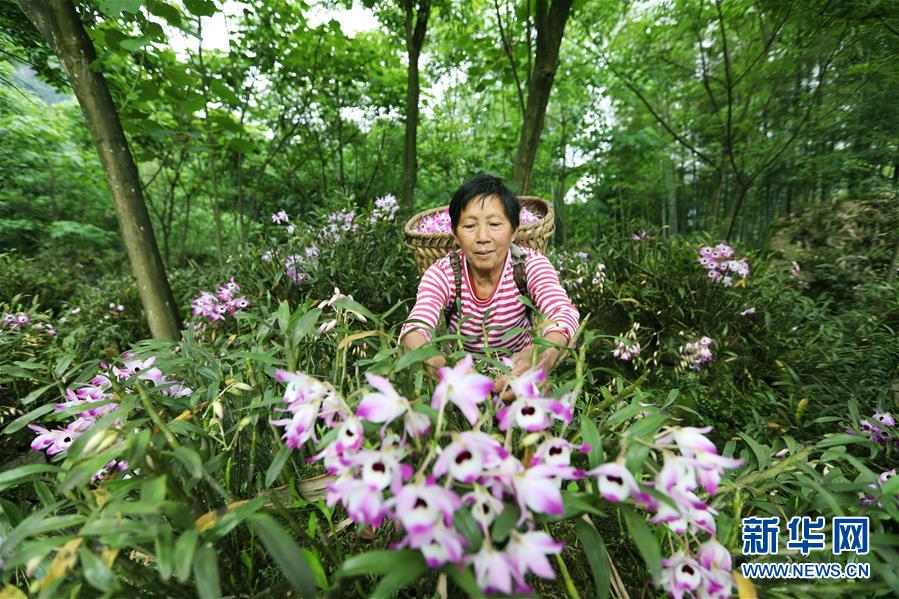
[(484, 214)]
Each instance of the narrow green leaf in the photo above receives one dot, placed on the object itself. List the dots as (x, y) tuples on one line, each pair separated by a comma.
[(190, 459), (286, 554), (597, 556), (274, 469), (25, 419), (762, 455), (590, 436), (465, 580), (505, 522), (283, 316), (36, 393), (164, 552), (644, 539), (377, 562), (416, 356), (97, 574), (399, 578), (17, 476), (183, 556), (206, 571), (305, 325)]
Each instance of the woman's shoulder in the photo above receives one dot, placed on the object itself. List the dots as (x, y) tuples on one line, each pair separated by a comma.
[(442, 268)]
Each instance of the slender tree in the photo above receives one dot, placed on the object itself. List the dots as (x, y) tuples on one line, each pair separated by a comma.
[(60, 25), (549, 20), (416, 14)]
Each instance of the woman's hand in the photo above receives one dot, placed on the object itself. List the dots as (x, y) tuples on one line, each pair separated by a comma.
[(521, 363), (414, 340)]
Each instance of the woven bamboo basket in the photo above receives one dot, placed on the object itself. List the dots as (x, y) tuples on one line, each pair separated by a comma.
[(430, 247)]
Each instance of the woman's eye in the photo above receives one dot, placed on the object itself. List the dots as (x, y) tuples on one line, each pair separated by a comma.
[(496, 224), (468, 227)]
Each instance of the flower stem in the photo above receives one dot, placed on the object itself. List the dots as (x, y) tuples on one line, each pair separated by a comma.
[(569, 583)]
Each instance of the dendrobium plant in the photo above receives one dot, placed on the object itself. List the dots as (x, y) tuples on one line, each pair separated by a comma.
[(414, 470)]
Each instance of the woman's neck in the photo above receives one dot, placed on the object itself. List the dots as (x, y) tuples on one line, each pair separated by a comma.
[(484, 282)]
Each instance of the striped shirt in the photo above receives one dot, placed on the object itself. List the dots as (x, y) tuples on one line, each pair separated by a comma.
[(497, 314)]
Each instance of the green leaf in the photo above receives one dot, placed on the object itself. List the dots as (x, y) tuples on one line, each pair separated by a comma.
[(762, 454), (416, 356), (206, 571), (465, 580), (25, 419), (399, 578), (644, 539), (190, 459), (274, 469), (891, 487), (597, 556), (17, 476), (305, 325), (36, 393), (283, 315), (321, 579), (97, 574), (114, 8), (590, 436), (377, 562), (505, 522), (183, 556), (135, 43), (201, 8), (286, 554), (164, 552), (840, 439), (165, 11)]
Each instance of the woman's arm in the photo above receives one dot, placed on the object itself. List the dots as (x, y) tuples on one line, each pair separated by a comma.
[(433, 296), (414, 340)]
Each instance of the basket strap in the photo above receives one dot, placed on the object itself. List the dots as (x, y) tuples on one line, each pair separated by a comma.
[(519, 256), (450, 310)]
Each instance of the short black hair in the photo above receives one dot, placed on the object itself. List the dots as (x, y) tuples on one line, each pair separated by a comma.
[(487, 186)]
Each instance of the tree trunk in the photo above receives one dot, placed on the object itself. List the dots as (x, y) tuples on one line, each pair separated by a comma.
[(59, 24), (550, 28), (415, 38)]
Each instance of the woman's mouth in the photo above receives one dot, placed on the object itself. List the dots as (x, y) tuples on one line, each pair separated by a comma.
[(482, 254)]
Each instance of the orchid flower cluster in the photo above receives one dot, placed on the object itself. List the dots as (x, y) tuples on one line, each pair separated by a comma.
[(693, 354), (385, 209), (628, 349), (96, 399), (377, 481), (405, 475), (114, 307), (639, 236), (439, 222), (21, 321), (328, 325), (882, 429), (337, 224), (296, 265), (220, 305), (865, 499), (691, 461), (721, 264), (575, 268)]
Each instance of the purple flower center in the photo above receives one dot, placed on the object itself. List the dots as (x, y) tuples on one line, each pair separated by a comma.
[(555, 450), (463, 456), (379, 467), (615, 479), (420, 503), (528, 411)]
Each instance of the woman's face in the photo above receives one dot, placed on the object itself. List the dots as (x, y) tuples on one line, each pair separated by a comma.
[(485, 234)]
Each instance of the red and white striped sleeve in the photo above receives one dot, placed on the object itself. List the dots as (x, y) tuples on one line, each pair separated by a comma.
[(433, 296), (550, 297)]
